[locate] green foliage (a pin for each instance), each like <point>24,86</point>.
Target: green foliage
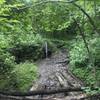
<point>24,26</point>
<point>7,78</point>
<point>85,74</point>
<point>30,39</point>
<point>6,60</point>
<point>6,63</point>
<point>91,90</point>
<point>95,49</point>
<point>23,52</point>
<point>4,41</point>
<point>25,74</point>
<point>79,60</point>
<point>8,82</point>
<point>78,54</point>
<point>51,16</point>
<point>6,67</point>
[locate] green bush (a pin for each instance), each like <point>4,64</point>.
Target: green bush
<point>23,52</point>
<point>31,52</point>
<point>7,78</point>
<point>95,50</point>
<point>78,54</point>
<point>8,82</point>
<point>85,74</point>
<point>6,62</point>
<point>25,74</point>
<point>79,60</point>
<point>30,39</point>
<point>6,59</point>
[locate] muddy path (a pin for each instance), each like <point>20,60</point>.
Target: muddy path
<point>54,73</point>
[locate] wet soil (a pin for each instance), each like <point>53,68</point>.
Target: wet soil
<point>54,73</point>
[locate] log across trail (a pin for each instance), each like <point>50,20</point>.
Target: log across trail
<point>55,82</point>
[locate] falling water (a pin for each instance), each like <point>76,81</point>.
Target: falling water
<point>46,49</point>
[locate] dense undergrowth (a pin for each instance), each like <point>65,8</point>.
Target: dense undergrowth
<point>15,76</point>
<point>80,62</point>
<point>17,61</point>
<point>25,73</point>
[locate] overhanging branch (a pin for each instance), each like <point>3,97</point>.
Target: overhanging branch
<point>83,36</point>
<point>46,1</point>
<point>87,15</point>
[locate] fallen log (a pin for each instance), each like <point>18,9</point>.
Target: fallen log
<point>41,92</point>
<point>3,97</point>
<point>92,97</point>
<point>62,80</point>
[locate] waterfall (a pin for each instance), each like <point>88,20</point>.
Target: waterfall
<point>46,49</point>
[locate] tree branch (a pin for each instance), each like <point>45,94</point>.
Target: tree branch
<point>83,36</point>
<point>90,19</point>
<point>6,16</point>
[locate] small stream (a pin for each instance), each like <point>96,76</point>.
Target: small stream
<point>54,73</point>
<point>46,49</point>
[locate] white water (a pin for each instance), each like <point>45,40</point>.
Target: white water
<point>46,49</point>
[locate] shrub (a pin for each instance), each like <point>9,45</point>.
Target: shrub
<point>79,60</point>
<point>7,79</point>
<point>24,52</point>
<point>6,62</point>
<point>25,74</point>
<point>35,51</point>
<point>8,82</point>
<point>78,54</point>
<point>95,50</point>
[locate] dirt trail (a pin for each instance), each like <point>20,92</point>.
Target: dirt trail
<point>54,73</point>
